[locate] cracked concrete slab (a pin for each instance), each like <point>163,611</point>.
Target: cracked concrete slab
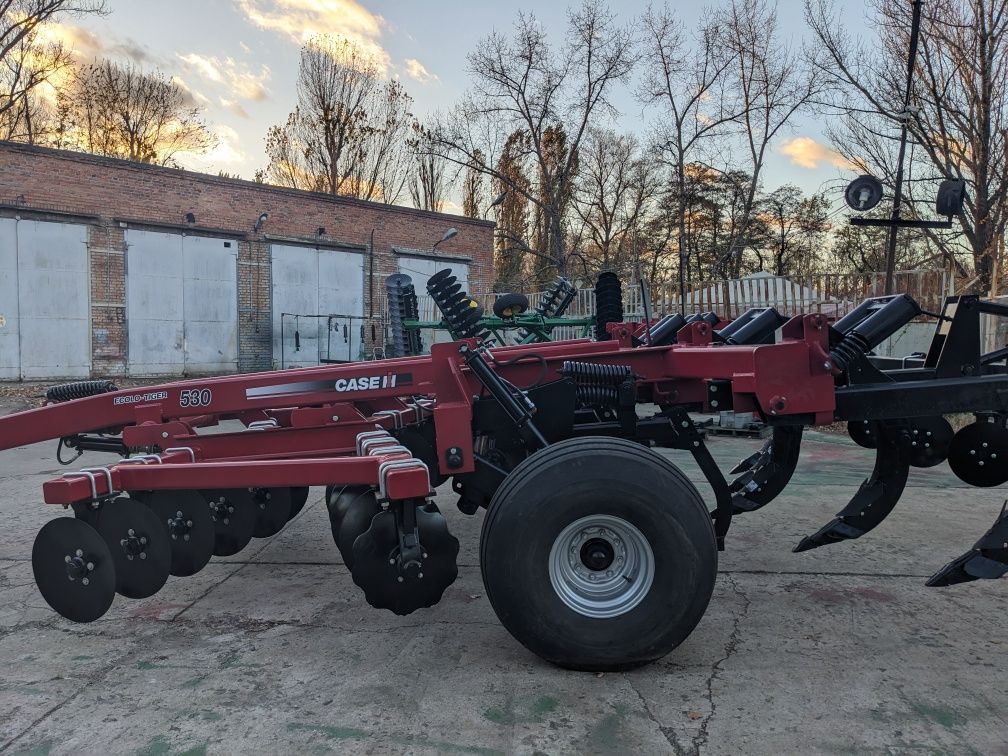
<point>275,649</point>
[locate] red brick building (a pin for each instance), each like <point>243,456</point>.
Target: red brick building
<point>110,267</point>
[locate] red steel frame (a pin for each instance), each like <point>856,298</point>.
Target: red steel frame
<point>303,425</point>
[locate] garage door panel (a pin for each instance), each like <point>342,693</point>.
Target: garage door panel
<point>10,344</point>
<point>310,281</point>
<point>183,304</point>
<point>53,301</point>
<point>154,303</point>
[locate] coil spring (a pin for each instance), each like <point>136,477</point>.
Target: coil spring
<point>82,389</point>
<point>595,374</point>
<point>598,395</point>
<point>851,348</point>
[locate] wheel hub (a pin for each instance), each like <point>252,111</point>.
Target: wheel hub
<point>179,526</point>
<point>597,554</point>
<point>601,566</point>
<point>133,545</point>
<point>77,568</point>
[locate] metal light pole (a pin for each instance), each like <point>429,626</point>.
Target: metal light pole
<point>905,118</point>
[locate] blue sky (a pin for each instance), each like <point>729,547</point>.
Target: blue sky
<point>239,58</point>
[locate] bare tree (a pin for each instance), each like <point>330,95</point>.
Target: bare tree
<point>27,63</point>
<point>472,189</point>
<point>428,184</point>
<point>121,111</point>
<point>958,120</point>
<point>686,82</point>
<point>552,93</point>
<point>614,190</point>
<point>771,84</point>
<point>349,133</point>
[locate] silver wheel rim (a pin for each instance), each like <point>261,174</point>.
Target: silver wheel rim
<point>613,590</point>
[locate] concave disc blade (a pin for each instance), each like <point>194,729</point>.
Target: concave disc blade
<point>978,454</point>
<point>234,516</point>
<point>864,433</point>
<point>186,519</point>
<point>930,439</point>
<point>299,497</point>
<point>139,546</point>
<point>90,560</point>
<point>273,508</point>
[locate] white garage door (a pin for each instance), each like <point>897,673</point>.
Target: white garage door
<point>44,281</point>
<point>318,294</point>
<point>181,304</point>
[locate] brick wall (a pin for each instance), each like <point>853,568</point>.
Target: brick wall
<point>112,195</point>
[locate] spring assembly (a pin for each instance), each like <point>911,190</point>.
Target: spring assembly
<point>875,324</point>
<point>608,304</point>
<point>80,390</point>
<point>461,314</point>
<point>606,396</point>
<point>595,374</point>
<point>597,384</point>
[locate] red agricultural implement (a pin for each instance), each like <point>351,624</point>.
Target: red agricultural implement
<point>596,551</point>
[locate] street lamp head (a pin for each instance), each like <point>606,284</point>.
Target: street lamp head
<point>500,198</point>
<point>450,233</point>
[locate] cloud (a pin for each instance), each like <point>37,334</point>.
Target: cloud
<point>192,97</point>
<point>235,107</point>
<point>227,154</point>
<point>237,78</point>
<point>87,45</point>
<point>806,152</point>
<point>299,20</point>
<point>415,70</point>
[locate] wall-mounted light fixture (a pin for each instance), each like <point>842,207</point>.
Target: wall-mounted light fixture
<point>449,234</point>
<point>190,218</point>
<point>259,223</point>
<point>321,231</point>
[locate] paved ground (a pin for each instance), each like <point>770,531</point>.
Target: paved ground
<point>837,650</point>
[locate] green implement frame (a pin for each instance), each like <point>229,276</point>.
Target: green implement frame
<point>536,328</point>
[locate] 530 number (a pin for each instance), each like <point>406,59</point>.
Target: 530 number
<point>195,397</point>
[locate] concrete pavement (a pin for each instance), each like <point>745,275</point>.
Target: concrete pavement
<point>274,650</point>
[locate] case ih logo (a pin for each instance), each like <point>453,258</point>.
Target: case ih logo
<point>341,385</point>
<point>364,383</point>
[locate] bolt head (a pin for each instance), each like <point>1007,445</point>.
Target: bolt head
<point>85,581</point>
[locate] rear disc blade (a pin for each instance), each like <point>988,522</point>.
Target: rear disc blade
<point>273,508</point>
<point>234,515</point>
<point>930,438</point>
<point>73,569</point>
<point>186,518</point>
<point>978,454</point>
<point>864,433</point>
<point>298,496</point>
<point>139,546</point>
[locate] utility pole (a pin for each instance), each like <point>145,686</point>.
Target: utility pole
<point>905,119</point>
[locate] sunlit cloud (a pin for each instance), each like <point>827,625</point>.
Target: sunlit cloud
<point>416,70</point>
<point>300,20</point>
<point>87,45</point>
<point>234,106</point>
<point>192,97</point>
<point>227,154</point>
<point>237,78</point>
<point>806,152</point>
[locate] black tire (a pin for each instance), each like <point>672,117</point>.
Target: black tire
<point>506,306</point>
<point>584,477</point>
